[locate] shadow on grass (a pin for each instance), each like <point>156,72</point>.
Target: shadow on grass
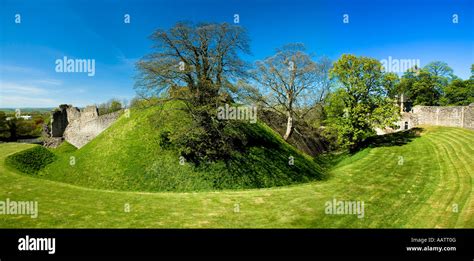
<point>328,160</point>
<point>388,140</point>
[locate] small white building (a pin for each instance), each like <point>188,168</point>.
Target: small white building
<point>25,117</point>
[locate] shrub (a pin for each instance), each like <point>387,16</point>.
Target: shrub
<point>216,141</point>
<point>31,161</point>
<point>112,105</point>
<point>165,141</point>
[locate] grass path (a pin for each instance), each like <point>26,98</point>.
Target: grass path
<point>411,186</point>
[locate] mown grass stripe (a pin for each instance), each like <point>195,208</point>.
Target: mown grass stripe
<point>463,187</point>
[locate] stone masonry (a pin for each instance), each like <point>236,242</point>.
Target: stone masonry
<point>80,127</point>
<point>450,116</point>
<point>59,121</point>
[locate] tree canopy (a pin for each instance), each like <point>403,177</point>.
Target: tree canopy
<point>291,82</point>
<point>203,59</point>
<point>361,104</point>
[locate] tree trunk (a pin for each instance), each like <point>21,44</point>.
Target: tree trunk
<point>289,126</point>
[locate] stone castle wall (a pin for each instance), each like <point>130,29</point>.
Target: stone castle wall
<point>79,127</point>
<point>59,121</point>
<point>451,116</point>
<point>85,125</point>
<point>469,117</point>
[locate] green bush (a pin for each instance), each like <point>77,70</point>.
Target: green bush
<point>165,141</point>
<point>31,161</point>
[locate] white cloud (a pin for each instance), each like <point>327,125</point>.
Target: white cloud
<point>7,88</point>
<point>24,101</point>
<point>48,82</point>
<point>18,95</point>
<point>18,69</point>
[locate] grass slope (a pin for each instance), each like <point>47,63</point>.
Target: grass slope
<point>437,172</point>
<point>127,157</point>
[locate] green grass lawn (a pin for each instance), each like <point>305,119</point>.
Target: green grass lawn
<point>437,172</point>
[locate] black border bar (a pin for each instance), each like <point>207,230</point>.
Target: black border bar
<point>239,242</point>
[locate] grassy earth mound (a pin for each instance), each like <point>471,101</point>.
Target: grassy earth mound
<point>32,160</point>
<point>128,157</point>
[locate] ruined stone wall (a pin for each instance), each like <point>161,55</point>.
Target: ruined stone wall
<point>451,116</point>
<point>85,125</point>
<point>468,115</point>
<point>59,121</point>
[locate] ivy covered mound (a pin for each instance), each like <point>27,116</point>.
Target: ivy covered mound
<point>134,155</point>
<point>32,160</point>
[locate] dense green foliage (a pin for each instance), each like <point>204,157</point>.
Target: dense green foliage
<point>458,92</point>
<point>361,104</point>
<point>367,97</point>
<point>31,161</point>
<point>421,88</point>
<point>4,130</point>
<point>110,106</point>
<point>435,85</point>
<point>13,127</point>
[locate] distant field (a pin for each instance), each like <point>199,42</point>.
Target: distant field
<point>26,110</point>
<point>415,185</point>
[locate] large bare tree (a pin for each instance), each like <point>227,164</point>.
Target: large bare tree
<point>198,64</point>
<point>201,60</point>
<point>291,83</point>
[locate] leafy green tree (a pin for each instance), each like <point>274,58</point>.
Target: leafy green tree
<point>4,133</point>
<point>115,105</point>
<point>110,106</point>
<point>13,126</point>
<point>459,92</point>
<point>199,64</point>
<point>361,104</point>
<point>442,73</point>
<point>203,59</point>
<point>421,88</point>
<point>439,69</point>
<point>391,83</point>
<point>424,90</point>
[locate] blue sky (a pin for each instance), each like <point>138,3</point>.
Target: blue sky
<point>50,30</point>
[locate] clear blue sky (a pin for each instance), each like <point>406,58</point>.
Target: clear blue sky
<point>50,30</point>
